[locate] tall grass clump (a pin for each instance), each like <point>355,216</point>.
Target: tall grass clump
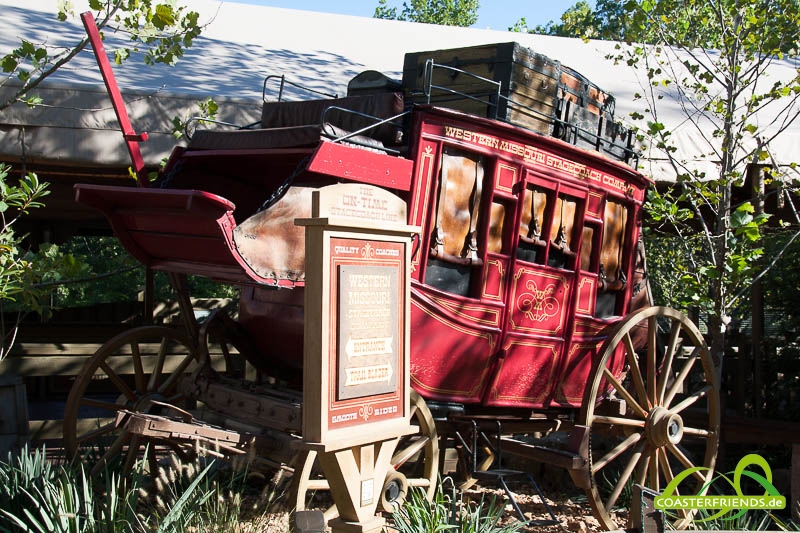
<point>40,494</point>
<point>447,513</point>
<point>752,520</point>
<point>43,495</point>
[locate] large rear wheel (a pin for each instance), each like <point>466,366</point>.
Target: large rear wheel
<point>136,371</point>
<point>653,410</point>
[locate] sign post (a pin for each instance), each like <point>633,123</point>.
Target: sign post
<point>356,371</point>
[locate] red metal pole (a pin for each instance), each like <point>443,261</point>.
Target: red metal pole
<point>132,139</point>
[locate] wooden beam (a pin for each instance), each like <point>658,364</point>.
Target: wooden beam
<point>70,362</point>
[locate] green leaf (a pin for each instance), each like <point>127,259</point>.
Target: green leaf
<point>163,17</point>
<point>26,50</point>
<point>121,55</point>
<point>33,100</point>
<point>9,63</point>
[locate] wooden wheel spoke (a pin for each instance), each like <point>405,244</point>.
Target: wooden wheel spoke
<point>636,373</point>
<point>118,382</point>
<point>653,461</point>
<point>158,369</point>
<point>105,429</point>
<point>421,482</point>
<point>641,475</point>
<point>698,432</point>
<point>619,421</point>
<point>615,452</point>
<point>400,457</point>
<point>112,451</point>
<point>133,453</point>
<point>652,348</point>
<point>665,370</point>
<point>677,385</point>
<point>176,374</point>
<point>100,404</point>
<point>686,461</point>
<point>689,400</point>
<point>666,469</point>
<point>623,479</point>
<point>622,391</point>
<point>138,367</point>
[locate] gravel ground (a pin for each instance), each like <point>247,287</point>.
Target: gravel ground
<point>571,510</point>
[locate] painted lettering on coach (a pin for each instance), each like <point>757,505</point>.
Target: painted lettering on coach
<point>535,155</point>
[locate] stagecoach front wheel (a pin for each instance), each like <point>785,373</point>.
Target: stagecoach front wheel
<point>653,409</point>
<point>414,464</point>
<point>137,371</point>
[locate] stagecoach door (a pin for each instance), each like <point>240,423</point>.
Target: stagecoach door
<point>567,284</point>
<point>542,281</point>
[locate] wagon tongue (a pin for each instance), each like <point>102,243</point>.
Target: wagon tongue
<point>169,429</point>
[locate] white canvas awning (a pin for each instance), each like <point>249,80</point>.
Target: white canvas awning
<point>244,43</point>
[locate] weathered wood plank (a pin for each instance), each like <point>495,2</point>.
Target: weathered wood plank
<point>71,363</point>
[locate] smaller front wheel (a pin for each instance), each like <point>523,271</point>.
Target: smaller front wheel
<point>414,464</point>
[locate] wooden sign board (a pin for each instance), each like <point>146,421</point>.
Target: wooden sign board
<point>356,370</point>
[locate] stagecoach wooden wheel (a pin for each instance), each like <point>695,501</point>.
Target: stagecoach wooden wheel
<point>653,410</point>
<point>136,371</point>
<point>415,463</point>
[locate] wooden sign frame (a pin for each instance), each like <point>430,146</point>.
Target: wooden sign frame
<point>357,311</point>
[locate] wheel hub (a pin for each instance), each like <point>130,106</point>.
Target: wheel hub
<point>663,427</point>
<point>145,404</point>
<point>395,489</point>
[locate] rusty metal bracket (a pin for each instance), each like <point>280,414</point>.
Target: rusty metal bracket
<point>160,427</point>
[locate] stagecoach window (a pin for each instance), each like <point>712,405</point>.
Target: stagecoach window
<point>496,228</point>
<point>455,249</point>
<point>562,246</point>
<point>587,247</point>
<point>531,246</point>
<point>615,219</point>
<point>611,275</point>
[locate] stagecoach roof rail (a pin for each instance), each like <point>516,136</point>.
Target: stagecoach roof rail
<point>284,82</point>
<point>189,133</point>
<point>350,136</point>
<point>427,84</point>
<point>631,156</point>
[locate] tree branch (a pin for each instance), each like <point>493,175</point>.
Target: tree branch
<point>32,84</point>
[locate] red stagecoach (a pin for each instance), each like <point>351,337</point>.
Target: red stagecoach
<point>530,309</point>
